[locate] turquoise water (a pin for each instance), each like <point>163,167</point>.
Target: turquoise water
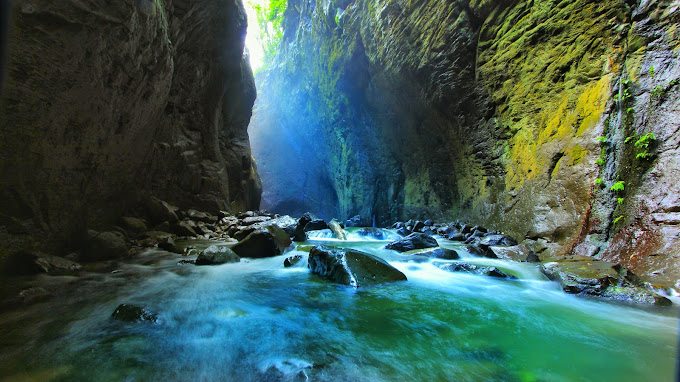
<point>258,321</point>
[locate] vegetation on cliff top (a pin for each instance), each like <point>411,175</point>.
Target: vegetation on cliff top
<point>270,21</point>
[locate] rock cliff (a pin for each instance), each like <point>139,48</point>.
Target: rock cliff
<point>551,120</point>
<point>107,103</point>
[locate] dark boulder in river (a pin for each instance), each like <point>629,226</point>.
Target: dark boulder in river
<point>292,260</point>
<point>413,241</point>
<point>217,254</point>
<point>267,241</point>
<point>351,267</point>
<point>134,313</point>
<point>476,269</point>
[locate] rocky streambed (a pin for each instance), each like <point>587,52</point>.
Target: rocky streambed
<point>266,297</point>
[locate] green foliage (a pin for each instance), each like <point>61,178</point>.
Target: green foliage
<point>624,92</point>
<point>270,20</point>
<point>601,139</point>
<point>642,144</point>
<point>651,71</point>
<point>619,201</point>
<point>618,186</point>
<point>618,219</point>
<point>657,92</point>
<point>599,181</point>
<point>599,161</point>
<point>630,110</point>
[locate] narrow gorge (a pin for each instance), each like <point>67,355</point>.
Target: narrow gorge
<point>331,190</point>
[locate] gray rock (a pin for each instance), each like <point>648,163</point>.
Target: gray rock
<point>437,253</point>
<point>475,269</point>
<point>183,228</point>
<point>104,246</point>
<point>160,211</point>
<point>263,242</point>
<point>217,254</point>
<point>351,267</point>
<point>133,226</point>
<point>254,220</point>
<point>413,241</point>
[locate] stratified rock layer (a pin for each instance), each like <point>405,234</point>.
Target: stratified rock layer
<point>107,102</point>
<point>487,111</point>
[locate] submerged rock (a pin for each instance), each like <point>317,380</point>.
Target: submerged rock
<point>351,267</point>
<point>292,260</point>
<point>217,254</point>
<point>134,313</point>
<point>476,269</point>
<point>586,276</point>
<point>413,241</point>
<point>267,241</point>
<point>375,233</point>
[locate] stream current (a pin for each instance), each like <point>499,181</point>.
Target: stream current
<point>258,321</point>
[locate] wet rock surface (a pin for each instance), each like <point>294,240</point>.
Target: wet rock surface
<point>412,242</point>
<point>158,119</point>
<point>133,313</point>
<point>264,242</point>
<point>217,254</point>
<point>351,267</point>
<point>291,261</point>
<point>476,269</point>
<point>586,276</point>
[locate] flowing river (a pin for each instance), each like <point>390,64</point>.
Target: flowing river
<point>258,321</point>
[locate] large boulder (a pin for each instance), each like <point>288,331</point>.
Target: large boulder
<point>104,246</point>
<point>133,226</point>
<point>30,262</point>
<point>267,241</point>
<point>586,276</point>
<point>160,211</point>
<point>413,241</point>
<point>351,267</point>
<point>299,233</point>
<point>217,254</point>
<point>285,222</point>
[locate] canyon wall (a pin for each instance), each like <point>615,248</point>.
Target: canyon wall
<point>532,117</point>
<point>108,103</point>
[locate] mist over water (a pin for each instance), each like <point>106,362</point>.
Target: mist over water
<point>259,321</point>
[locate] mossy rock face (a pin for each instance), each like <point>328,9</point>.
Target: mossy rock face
<point>351,267</point>
<point>505,102</point>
